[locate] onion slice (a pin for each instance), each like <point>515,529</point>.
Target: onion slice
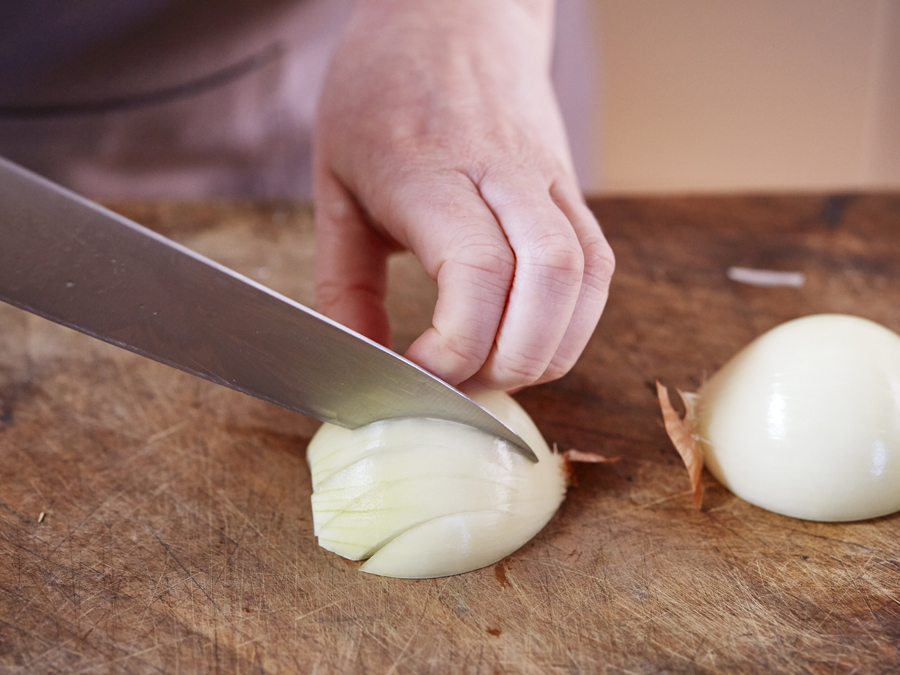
<point>421,498</point>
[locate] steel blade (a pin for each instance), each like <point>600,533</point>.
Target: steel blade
<point>78,264</point>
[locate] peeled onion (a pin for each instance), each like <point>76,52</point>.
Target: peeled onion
<point>425,498</point>
<point>804,421</point>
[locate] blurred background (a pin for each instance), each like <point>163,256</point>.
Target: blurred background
<point>706,95</point>
<point>660,96</point>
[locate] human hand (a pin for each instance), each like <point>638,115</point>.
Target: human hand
<point>438,131</point>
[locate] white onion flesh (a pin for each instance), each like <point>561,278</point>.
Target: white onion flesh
<point>421,498</point>
<point>805,420</point>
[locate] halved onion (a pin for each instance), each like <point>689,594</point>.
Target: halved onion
<point>427,498</point>
<point>804,421</point>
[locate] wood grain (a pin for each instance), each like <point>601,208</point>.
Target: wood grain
<point>177,534</point>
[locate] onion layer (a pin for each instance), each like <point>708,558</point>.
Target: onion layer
<point>424,498</point>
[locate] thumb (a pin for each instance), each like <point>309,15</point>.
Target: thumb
<point>351,262</point>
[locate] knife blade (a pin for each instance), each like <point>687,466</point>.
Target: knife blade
<point>74,262</point>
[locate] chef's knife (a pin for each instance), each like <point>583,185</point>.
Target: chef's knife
<point>74,262</point>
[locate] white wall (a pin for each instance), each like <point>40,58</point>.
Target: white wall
<point>725,95</point>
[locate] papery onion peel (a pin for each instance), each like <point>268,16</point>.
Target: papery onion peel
<point>683,436</point>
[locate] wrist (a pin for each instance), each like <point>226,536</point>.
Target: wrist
<point>529,19</point>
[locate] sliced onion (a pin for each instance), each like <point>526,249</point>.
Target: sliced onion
<point>424,498</point>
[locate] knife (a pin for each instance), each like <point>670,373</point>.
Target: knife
<point>74,262</point>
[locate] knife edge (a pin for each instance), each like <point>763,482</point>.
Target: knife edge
<point>66,256</point>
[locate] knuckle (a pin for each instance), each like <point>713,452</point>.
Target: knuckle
<point>328,294</point>
<point>517,370</point>
<point>557,368</point>
<point>487,255</point>
<point>558,257</point>
<point>557,250</point>
<point>597,249</point>
<point>600,263</point>
<point>469,353</point>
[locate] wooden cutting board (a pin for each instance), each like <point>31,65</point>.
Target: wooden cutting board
<point>153,522</point>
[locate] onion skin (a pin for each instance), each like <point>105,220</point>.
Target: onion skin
<point>423,498</point>
<point>805,420</point>
<point>684,437</point>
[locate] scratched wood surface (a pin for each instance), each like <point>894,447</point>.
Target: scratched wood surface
<point>176,533</point>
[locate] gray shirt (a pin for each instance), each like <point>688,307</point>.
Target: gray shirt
<point>187,98</point>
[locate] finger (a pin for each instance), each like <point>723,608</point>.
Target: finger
<point>546,286</point>
<point>351,261</point>
<point>599,264</point>
<point>460,243</point>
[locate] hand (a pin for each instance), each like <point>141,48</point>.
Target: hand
<point>438,131</point>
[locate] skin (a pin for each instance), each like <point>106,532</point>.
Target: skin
<point>438,131</point>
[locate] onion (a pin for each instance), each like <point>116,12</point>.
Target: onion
<point>804,421</point>
<point>426,498</point>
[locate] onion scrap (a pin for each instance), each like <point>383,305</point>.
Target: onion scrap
<point>683,436</point>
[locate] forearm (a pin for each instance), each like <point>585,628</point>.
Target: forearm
<point>478,23</point>
<point>446,67</point>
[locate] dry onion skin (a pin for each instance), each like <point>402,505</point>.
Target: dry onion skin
<point>422,498</point>
<point>804,421</point>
